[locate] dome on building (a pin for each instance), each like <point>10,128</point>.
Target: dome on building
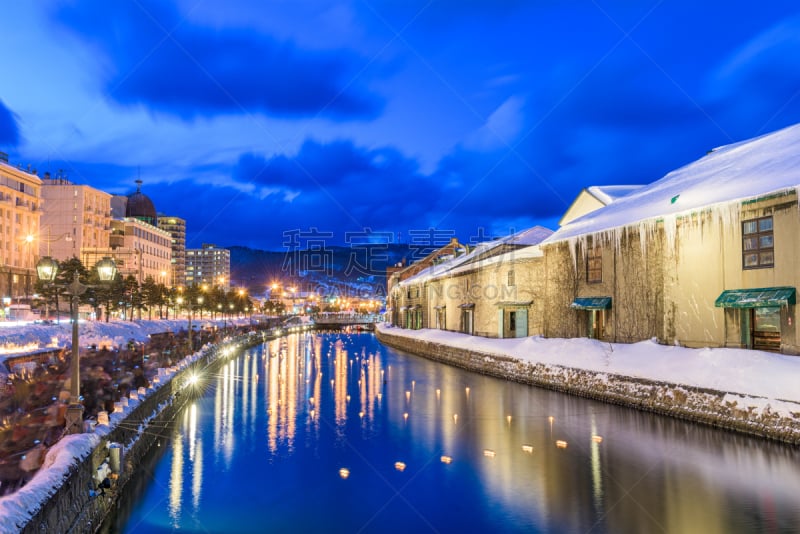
<point>140,206</point>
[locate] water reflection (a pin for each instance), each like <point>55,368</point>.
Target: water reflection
<point>176,480</point>
<point>378,441</point>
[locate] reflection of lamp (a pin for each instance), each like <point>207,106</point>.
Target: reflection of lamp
<point>46,269</point>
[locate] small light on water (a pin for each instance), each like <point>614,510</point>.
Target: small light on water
<point>455,418</point>
<point>413,383</point>
<point>508,418</point>
<point>446,459</point>
<point>344,472</point>
<point>561,444</point>
<point>405,416</point>
<point>400,466</point>
<point>467,390</point>
<point>348,398</point>
<point>527,448</point>
<point>408,396</point>
<point>361,414</point>
<point>489,453</point>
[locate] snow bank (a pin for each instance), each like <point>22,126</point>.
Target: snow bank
<point>99,333</point>
<point>744,373</point>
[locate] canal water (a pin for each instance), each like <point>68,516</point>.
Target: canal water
<point>337,433</point>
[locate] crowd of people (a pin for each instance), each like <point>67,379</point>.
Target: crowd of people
<point>34,397</point>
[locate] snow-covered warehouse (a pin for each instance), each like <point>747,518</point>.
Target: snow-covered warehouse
<point>709,255</point>
<point>494,290</point>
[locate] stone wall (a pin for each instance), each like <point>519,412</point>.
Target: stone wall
<point>631,275</point>
<point>73,507</point>
<point>699,405</point>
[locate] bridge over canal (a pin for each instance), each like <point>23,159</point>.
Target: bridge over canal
<point>347,319</point>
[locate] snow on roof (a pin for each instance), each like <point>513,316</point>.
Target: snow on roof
<point>610,193</point>
<point>525,239</point>
<point>532,251</point>
<point>732,173</point>
<point>531,236</point>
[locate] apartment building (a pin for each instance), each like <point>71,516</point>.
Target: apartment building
<point>20,214</point>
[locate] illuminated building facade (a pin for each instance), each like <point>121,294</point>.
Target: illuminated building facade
<point>74,217</point>
<point>177,229</point>
<point>138,248</point>
<point>20,213</point>
<point>208,265</point>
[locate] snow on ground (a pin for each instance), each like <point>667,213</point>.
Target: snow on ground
<point>17,508</point>
<point>19,338</point>
<point>745,372</point>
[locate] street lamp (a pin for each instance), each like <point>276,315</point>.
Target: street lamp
<point>46,269</point>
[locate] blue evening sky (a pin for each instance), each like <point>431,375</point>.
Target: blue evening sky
<point>256,119</point>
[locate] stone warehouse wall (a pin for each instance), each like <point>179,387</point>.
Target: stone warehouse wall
<point>73,507</point>
<point>699,405</point>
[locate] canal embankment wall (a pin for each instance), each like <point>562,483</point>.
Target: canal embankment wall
<point>78,503</point>
<point>699,405</point>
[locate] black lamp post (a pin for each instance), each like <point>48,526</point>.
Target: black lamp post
<point>46,269</point>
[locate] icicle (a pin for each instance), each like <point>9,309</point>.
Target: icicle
<point>670,229</point>
<point>572,242</point>
<point>644,235</point>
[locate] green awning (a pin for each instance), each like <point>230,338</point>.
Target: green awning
<point>762,297</point>
<point>591,303</point>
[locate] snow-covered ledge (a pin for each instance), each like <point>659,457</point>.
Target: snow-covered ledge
<point>71,452</point>
<point>749,391</point>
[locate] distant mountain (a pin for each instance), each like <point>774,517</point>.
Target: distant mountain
<point>328,270</point>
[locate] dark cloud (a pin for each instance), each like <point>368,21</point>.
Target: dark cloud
<point>161,60</point>
<point>764,74</point>
<point>9,132</point>
<point>335,187</point>
<point>366,187</point>
<point>611,94</point>
<point>316,165</point>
